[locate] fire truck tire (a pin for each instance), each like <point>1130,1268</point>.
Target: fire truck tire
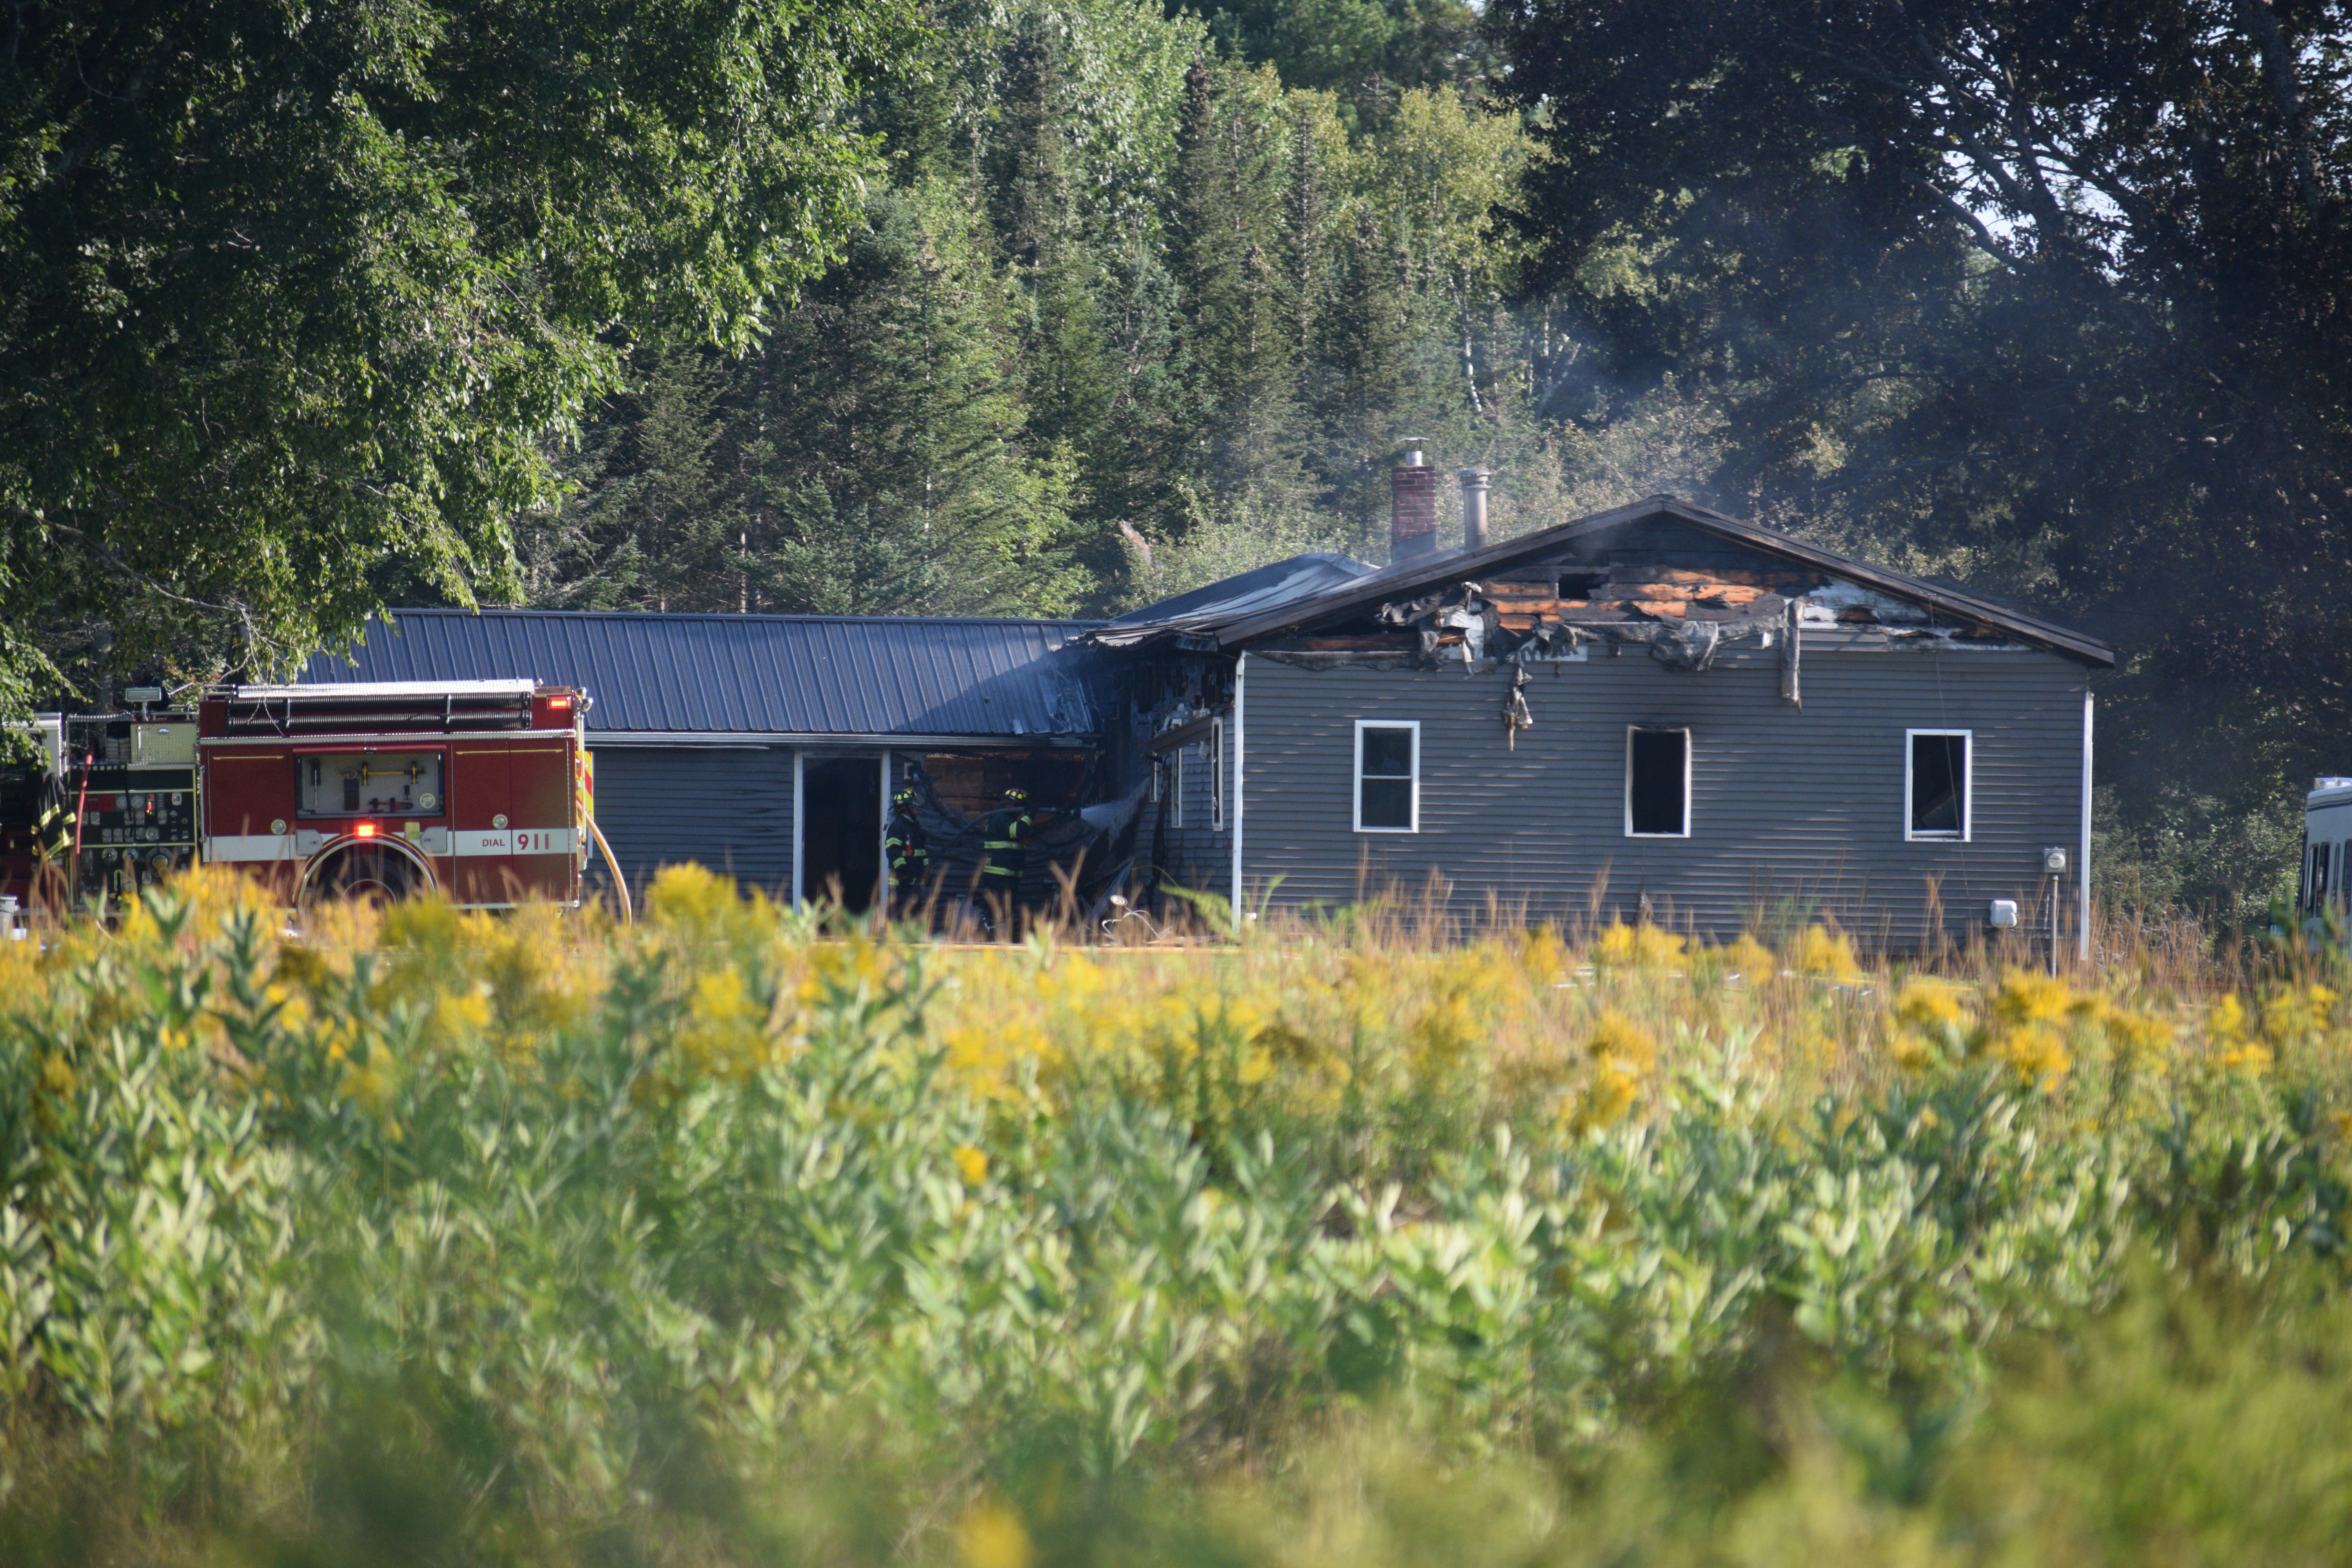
<point>379,872</point>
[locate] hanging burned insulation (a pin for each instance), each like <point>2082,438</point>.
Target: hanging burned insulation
<point>1516,716</point>
<point>1468,610</point>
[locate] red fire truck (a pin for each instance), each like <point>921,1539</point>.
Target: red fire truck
<point>480,790</point>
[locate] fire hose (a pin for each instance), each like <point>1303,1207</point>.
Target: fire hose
<point>620,883</point>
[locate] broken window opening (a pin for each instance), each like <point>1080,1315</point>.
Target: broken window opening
<point>1388,777</point>
<point>1657,782</point>
<point>1217,779</point>
<point>1582,585</point>
<point>2319,858</point>
<point>1937,783</point>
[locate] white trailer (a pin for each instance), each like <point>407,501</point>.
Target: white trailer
<point>2327,845</point>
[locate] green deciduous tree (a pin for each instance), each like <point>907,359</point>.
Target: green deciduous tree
<point>288,293</point>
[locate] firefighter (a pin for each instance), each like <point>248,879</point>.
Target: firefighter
<point>909,848</point>
<point>1004,854</point>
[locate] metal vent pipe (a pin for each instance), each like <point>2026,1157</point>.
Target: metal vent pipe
<point>1473,506</point>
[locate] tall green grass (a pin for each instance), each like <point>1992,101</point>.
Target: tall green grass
<point>727,1238</point>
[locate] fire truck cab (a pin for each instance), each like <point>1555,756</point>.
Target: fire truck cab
<point>479,790</point>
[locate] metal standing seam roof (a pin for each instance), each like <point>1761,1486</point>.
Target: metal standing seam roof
<point>717,675</point>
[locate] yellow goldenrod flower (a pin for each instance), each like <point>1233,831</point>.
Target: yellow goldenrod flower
<point>1816,952</point>
<point>1641,946</point>
<point>1928,1004</point>
<point>1620,1042</point>
<point>990,1536</point>
<point>1751,960</point>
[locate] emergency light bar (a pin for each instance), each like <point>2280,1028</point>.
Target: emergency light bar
<point>395,707</point>
<point>331,689</point>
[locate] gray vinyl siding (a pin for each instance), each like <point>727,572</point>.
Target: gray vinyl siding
<point>1793,812</point>
<point>727,807</point>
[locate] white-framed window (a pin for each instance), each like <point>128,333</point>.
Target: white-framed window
<point>1939,771</point>
<point>1216,758</point>
<point>1388,776</point>
<point>1657,780</point>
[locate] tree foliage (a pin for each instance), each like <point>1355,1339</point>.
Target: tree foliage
<point>1088,301</point>
<point>2050,295</point>
<point>1187,308</point>
<point>288,294</point>
<point>1364,52</point>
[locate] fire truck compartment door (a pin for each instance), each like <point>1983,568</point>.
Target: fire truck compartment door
<point>480,812</point>
<point>540,782</point>
<point>541,785</point>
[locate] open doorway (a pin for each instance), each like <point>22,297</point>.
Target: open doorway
<point>841,828</point>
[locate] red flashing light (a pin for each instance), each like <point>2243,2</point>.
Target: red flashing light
<point>558,703</point>
<point>364,830</point>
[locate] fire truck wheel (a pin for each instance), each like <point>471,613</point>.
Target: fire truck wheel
<point>374,872</point>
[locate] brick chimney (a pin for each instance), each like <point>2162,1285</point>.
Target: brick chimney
<point>1412,498</point>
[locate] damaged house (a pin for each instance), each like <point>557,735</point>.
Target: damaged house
<point>1657,711</point>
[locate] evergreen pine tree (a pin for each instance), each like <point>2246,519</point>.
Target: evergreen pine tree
<point>1239,301</point>
<point>892,392</point>
<point>650,524</point>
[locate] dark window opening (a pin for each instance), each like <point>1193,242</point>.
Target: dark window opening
<point>1582,585</point>
<point>1939,786</point>
<point>841,829</point>
<point>1657,780</point>
<point>1384,763</point>
<point>2319,858</point>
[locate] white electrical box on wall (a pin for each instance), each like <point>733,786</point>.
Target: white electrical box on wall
<point>2002,915</point>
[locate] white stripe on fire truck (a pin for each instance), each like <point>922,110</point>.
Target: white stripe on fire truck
<point>516,841</point>
<point>232,847</point>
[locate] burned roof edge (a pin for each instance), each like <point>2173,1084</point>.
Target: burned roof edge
<point>1369,593</point>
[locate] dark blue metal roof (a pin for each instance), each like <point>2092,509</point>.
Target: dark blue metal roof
<point>1252,593</point>
<point>768,675</point>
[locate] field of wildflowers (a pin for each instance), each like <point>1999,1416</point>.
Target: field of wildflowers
<point>738,1237</point>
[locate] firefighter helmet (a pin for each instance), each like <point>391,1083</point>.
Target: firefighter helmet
<point>905,797</point>
<point>1016,795</point>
